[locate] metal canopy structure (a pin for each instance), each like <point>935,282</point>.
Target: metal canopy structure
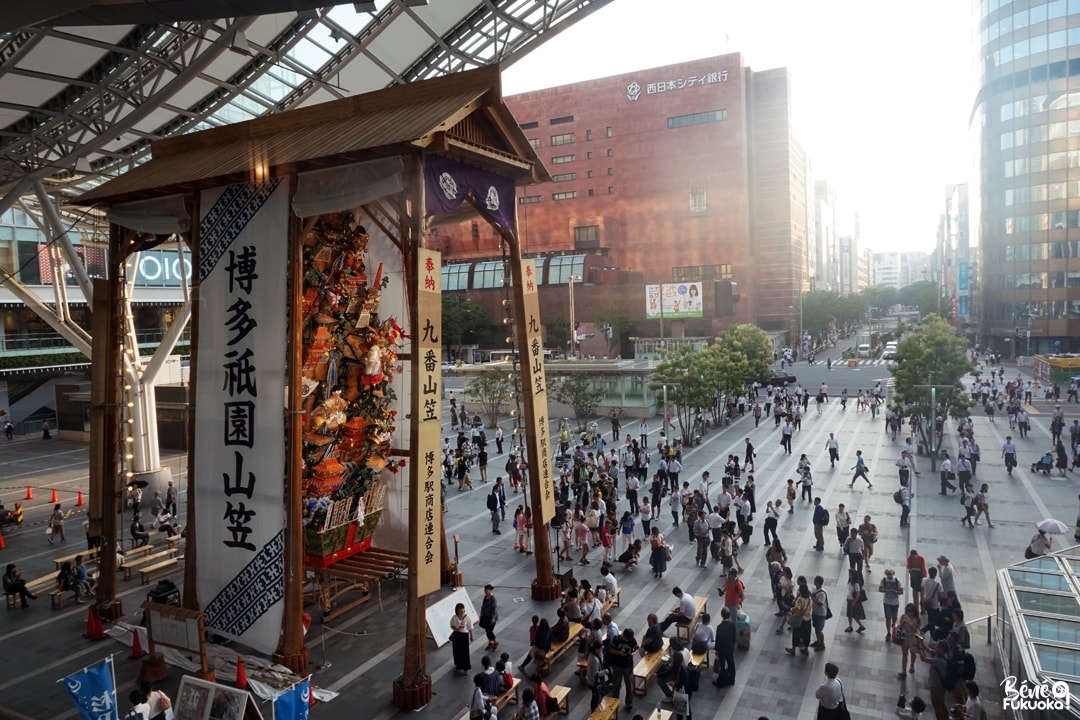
<point>82,96</point>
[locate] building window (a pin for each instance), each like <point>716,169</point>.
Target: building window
<point>528,199</point>
<point>588,135</point>
<point>564,195</point>
<point>699,273</point>
<point>591,192</point>
<point>712,116</point>
<point>698,202</point>
<point>610,152</point>
<point>562,139</point>
<point>529,125</point>
<point>609,132</point>
<point>563,177</point>
<point>562,159</point>
<point>561,120</point>
<point>611,172</point>
<point>587,237</point>
<point>588,155</point>
<point>590,173</point>
<point>488,274</point>
<point>535,142</point>
<point>475,229</point>
<point>560,268</point>
<point>610,190</point>
<point>455,277</point>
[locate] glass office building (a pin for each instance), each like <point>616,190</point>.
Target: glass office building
<point>1026,119</point>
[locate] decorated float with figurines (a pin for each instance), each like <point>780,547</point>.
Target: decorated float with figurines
<point>350,358</point>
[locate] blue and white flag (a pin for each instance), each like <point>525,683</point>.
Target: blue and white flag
<point>94,691</point>
<point>293,703</point>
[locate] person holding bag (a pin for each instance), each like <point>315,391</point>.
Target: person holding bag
<point>481,706</point>
<point>832,705</point>
<point>799,621</point>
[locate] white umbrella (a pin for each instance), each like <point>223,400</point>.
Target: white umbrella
<point>1050,525</point>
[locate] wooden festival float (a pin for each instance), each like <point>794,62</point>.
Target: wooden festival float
<point>316,349</point>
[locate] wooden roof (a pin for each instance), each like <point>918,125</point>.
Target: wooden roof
<point>461,115</point>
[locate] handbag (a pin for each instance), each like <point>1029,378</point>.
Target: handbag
<point>898,635</point>
<point>680,702</point>
<point>862,594</point>
<point>842,711</point>
<point>795,622</point>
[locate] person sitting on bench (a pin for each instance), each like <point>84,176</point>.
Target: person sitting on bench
<point>138,532</point>
<point>165,522</point>
<point>683,613</point>
<point>15,585</point>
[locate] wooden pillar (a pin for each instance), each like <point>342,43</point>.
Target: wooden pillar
<point>545,586</point>
<point>412,690</point>
<point>291,650</point>
<point>105,421</point>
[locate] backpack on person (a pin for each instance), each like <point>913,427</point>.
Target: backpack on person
<point>898,497</point>
<point>824,516</point>
<point>965,665</point>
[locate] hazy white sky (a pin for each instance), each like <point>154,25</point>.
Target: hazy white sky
<point>882,91</point>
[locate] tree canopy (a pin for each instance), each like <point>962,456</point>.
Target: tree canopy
<point>620,325</point>
<point>557,332</point>
<point>925,296</point>
<point>580,392</point>
<point>690,378</point>
<point>491,390</point>
<point>932,354</point>
<point>461,320</point>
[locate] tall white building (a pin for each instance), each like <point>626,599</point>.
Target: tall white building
<point>888,270</point>
<point>827,247</point>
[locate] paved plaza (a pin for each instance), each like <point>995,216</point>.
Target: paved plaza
<point>38,646</point>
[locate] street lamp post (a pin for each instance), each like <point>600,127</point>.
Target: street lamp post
<point>573,322</point>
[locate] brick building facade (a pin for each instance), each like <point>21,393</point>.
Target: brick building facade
<point>682,173</point>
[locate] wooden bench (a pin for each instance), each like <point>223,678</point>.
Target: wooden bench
<point>89,556</point>
<point>56,598</point>
<point>159,533</point>
<point>558,649</point>
<point>135,553</point>
<point>510,695</point>
<point>583,669</point>
<point>34,587</point>
<point>700,660</point>
<point>611,601</point>
<point>148,558</point>
<point>146,574</point>
<point>608,709</point>
<point>646,667</point>
<point>682,632</point>
<point>561,695</point>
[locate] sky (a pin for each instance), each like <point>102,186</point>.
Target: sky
<point>881,92</point>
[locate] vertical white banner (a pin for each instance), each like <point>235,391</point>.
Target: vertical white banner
<point>239,421</point>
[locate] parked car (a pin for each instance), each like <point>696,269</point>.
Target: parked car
<point>890,351</point>
<point>863,350</point>
<point>779,378</point>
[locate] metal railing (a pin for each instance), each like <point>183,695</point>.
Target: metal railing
<point>56,341</point>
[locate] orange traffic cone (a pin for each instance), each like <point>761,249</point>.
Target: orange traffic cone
<point>136,645</point>
<point>54,499</point>
<point>29,493</point>
<point>79,502</point>
<point>311,701</point>
<point>2,543</point>
<point>241,674</point>
<point>94,631</point>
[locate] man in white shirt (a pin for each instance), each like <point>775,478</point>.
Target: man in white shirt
<point>1008,453</point>
<point>903,465</point>
<point>843,524</point>
<point>945,575</point>
<point>833,446</point>
<point>723,500</point>
<point>910,450</point>
<point>703,487</point>
<point>830,693</point>
<point>683,613</point>
<point>946,474</point>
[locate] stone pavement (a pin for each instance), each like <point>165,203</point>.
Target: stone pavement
<point>364,649</point>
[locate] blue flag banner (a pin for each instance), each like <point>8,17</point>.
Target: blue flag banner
<point>94,691</point>
<point>293,703</point>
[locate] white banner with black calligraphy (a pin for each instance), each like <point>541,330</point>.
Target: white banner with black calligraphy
<point>239,423</point>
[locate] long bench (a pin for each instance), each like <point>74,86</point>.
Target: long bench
<point>558,649</point>
<point>154,572</point>
<point>646,667</point>
<point>511,694</point>
<point>158,532</point>
<point>561,695</point>
<point>608,709</point>
<point>89,556</point>
<point>682,632</point>
<point>147,559</point>
<point>611,601</point>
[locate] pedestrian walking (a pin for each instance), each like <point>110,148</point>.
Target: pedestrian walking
<point>869,533</point>
<point>855,598</point>
<point>891,590</point>
<point>833,446</point>
<point>489,615</point>
<point>905,504</point>
<point>982,507</point>
<point>56,524</point>
<point>860,469</point>
<point>772,519</point>
<point>461,634</point>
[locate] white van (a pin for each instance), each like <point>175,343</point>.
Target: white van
<point>890,351</point>
<point>863,351</point>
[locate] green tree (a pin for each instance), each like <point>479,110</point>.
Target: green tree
<point>924,295</point>
<point>820,309</point>
<point>691,380</point>
<point>461,320</point>
<point>877,296</point>
<point>932,354</point>
<point>620,325</point>
<point>558,332</point>
<point>580,392</point>
<point>742,354</point>
<point>491,389</point>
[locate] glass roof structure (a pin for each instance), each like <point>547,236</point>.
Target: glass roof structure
<point>83,95</point>
<point>1037,627</point>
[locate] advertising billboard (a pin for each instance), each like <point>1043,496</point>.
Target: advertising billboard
<point>673,300</point>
